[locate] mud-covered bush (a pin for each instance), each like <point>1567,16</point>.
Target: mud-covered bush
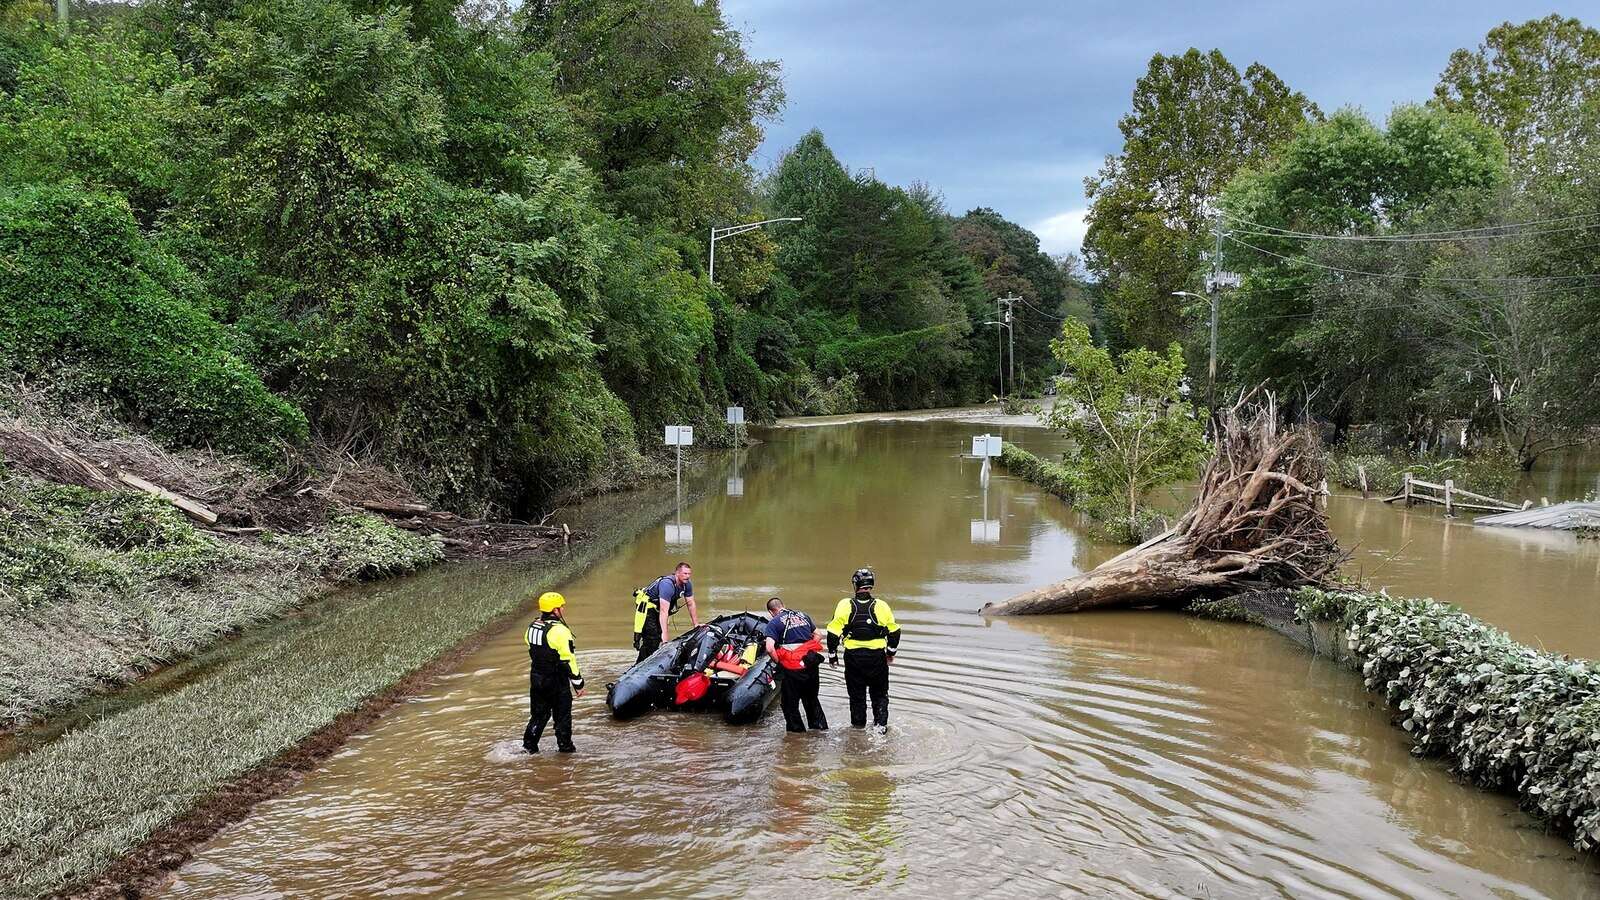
<point>99,587</point>
<point>360,547</point>
<point>1507,716</point>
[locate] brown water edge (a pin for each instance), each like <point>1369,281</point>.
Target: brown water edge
<point>1121,753</point>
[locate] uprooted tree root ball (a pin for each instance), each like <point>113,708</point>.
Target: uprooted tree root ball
<point>1257,522</point>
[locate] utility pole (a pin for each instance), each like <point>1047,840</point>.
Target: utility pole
<point>61,16</point>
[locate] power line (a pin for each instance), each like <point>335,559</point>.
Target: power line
<point>1487,232</point>
<point>1408,275</point>
<point>1042,312</point>
<point>1411,305</point>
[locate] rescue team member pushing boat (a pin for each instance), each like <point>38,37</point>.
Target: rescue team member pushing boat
<point>553,675</point>
<point>794,640</point>
<point>654,605</point>
<point>871,637</point>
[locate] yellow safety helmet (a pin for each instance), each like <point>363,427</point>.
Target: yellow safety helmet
<point>550,601</point>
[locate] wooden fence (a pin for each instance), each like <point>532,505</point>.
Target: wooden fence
<point>1452,498</point>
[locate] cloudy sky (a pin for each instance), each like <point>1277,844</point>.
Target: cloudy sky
<point>1009,104</point>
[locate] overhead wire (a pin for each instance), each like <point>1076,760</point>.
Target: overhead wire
<point>1486,232</point>
<point>1407,275</point>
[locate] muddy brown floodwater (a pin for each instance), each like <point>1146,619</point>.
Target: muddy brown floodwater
<point>1124,754</point>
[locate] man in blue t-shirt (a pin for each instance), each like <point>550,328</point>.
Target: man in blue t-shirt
<point>654,606</point>
<point>794,640</point>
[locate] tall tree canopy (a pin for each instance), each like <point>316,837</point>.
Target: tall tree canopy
<point>1537,83</point>
<point>1012,265</point>
<point>669,99</point>
<point>1195,122</point>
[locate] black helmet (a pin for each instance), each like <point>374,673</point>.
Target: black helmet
<point>863,578</point>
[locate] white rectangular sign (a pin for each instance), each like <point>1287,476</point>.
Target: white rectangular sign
<point>986,445</point>
<point>735,487</point>
<point>985,531</point>
<point>680,435</point>
<point>735,415</point>
<point>679,534</point>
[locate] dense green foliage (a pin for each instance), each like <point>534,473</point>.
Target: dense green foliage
<point>1507,716</point>
<point>1537,83</point>
<point>86,298</point>
<point>1130,425</point>
<point>468,243</point>
<point>1485,326</point>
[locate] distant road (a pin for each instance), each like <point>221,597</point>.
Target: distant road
<point>986,414</point>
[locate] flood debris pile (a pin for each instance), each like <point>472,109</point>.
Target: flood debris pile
<point>1506,716</point>
<point>1257,522</point>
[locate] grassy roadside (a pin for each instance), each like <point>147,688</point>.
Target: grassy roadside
<point>73,807</point>
<point>98,588</point>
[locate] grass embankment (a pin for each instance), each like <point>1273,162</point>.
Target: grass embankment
<point>98,588</point>
<point>1110,516</point>
<point>1504,715</point>
<point>72,808</point>
<point>1493,473</point>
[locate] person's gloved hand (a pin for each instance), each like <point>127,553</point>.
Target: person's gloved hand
<point>834,660</point>
<point>638,641</point>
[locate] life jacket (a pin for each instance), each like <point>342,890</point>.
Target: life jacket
<point>795,659</point>
<point>644,604</point>
<point>863,623</point>
<point>544,659</point>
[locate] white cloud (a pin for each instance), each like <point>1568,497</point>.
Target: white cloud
<point>1063,232</point>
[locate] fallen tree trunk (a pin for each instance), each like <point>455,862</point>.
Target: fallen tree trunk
<point>1256,523</point>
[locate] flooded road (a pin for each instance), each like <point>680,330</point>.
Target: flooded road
<point>1125,754</point>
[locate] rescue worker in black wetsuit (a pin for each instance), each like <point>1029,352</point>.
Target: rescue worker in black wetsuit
<point>794,640</point>
<point>871,637</point>
<point>654,606</point>
<point>553,675</point>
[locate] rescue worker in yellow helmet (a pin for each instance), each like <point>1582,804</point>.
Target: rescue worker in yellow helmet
<point>553,675</point>
<point>871,637</point>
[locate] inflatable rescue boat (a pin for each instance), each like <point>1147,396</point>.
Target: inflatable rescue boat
<point>722,664</point>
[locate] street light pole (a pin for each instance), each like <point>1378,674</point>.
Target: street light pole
<point>999,344</point>
<point>729,231</point>
<point>1211,385</point>
<point>1011,333</point>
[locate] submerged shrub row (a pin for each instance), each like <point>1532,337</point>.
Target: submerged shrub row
<point>1056,479</point>
<point>1507,716</point>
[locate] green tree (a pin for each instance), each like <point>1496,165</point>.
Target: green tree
<point>1310,317</point>
<point>669,99</point>
<point>1537,83</point>
<point>873,281</point>
<point>1011,263</point>
<point>1195,122</point>
<point>1130,426</point>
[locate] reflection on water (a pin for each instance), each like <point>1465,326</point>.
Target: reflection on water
<point>1129,754</point>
